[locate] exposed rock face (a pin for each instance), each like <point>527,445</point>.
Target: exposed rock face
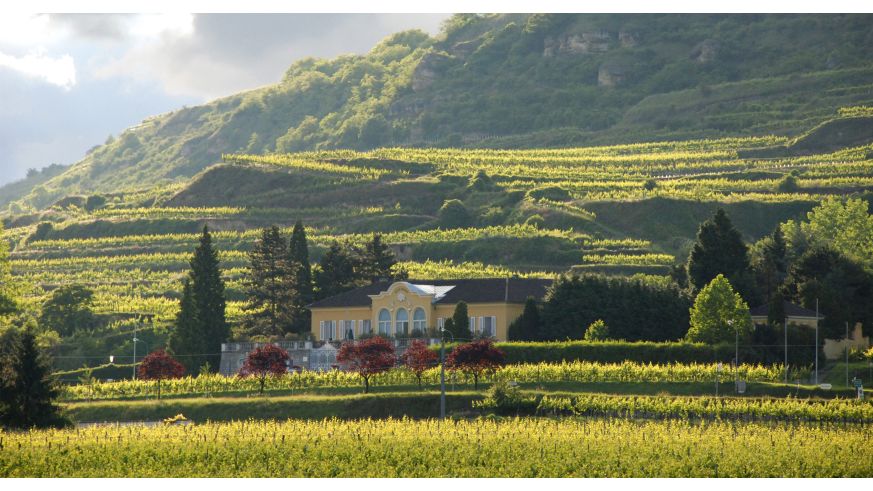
<point>628,39</point>
<point>613,74</point>
<point>705,52</point>
<point>427,70</point>
<point>578,44</point>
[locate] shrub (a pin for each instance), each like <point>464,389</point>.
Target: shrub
<point>597,331</point>
<point>788,184</point>
<point>553,193</point>
<point>454,214</point>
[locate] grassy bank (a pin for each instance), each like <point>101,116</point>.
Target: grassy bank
<point>379,406</point>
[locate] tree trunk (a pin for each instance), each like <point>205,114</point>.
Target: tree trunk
<point>366,385</point>
<point>475,381</point>
<point>261,388</point>
<point>159,389</point>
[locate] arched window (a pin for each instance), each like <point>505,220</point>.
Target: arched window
<point>419,320</point>
<point>384,322</point>
<point>401,324</point>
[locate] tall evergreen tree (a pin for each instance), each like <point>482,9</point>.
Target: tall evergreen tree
<point>270,287</point>
<point>336,273</point>
<point>27,390</point>
<point>769,260</point>
<point>188,337</point>
<point>719,249</point>
<point>527,326</point>
<point>460,325</point>
<point>298,251</point>
<point>208,289</point>
<point>201,324</point>
<point>377,260</point>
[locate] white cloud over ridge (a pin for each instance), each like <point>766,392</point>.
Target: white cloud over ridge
<point>59,71</point>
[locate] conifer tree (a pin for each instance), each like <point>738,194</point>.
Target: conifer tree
<point>208,289</point>
<point>377,261</point>
<point>188,337</point>
<point>719,249</point>
<point>201,324</point>
<point>336,273</point>
<point>460,324</point>
<point>298,251</point>
<point>527,326</point>
<point>27,390</point>
<point>270,287</point>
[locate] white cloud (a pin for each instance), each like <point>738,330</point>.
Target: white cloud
<point>60,71</point>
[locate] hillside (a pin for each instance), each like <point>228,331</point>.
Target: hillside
<point>513,81</point>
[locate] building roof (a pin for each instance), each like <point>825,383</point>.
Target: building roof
<point>488,290</point>
<point>791,310</point>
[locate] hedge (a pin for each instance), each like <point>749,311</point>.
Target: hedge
<point>613,351</point>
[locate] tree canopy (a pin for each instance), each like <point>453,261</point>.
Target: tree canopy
<point>27,389</point>
<point>367,357</point>
<point>718,314</point>
<point>719,249</point>
<point>68,309</point>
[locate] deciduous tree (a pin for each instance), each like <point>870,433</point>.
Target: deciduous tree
<point>418,358</point>
<point>367,357</point>
<point>68,310</point>
<point>158,365</point>
<point>475,358</point>
<point>718,313</point>
<point>269,360</point>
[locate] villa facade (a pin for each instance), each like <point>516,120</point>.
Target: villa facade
<point>403,309</point>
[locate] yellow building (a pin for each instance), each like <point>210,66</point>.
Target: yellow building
<point>794,314</point>
<point>407,308</point>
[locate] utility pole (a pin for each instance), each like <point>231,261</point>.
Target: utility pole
<point>816,341</point>
<point>134,350</point>
<point>442,376</point>
<point>786,350</point>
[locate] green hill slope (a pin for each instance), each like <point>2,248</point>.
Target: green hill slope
<point>519,81</point>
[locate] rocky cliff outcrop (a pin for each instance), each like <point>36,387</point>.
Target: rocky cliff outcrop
<point>578,44</point>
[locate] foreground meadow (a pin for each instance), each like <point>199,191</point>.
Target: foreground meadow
<point>430,448</point>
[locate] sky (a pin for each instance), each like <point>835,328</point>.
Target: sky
<point>69,81</point>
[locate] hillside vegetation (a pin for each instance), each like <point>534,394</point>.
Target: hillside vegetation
<point>512,81</point>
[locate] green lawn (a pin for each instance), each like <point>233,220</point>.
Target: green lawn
<point>384,402</point>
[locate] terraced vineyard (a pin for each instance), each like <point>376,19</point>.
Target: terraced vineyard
<point>531,212</point>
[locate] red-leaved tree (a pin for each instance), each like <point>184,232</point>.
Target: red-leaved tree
<point>264,361</point>
<point>367,357</point>
<point>475,358</point>
<point>418,358</point>
<point>158,365</point>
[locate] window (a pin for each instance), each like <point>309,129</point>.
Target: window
<point>348,329</point>
<point>384,322</point>
<point>489,326</point>
<point>419,320</point>
<point>401,324</point>
<point>472,325</point>
<point>328,330</point>
<point>441,323</point>
<point>364,327</point>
